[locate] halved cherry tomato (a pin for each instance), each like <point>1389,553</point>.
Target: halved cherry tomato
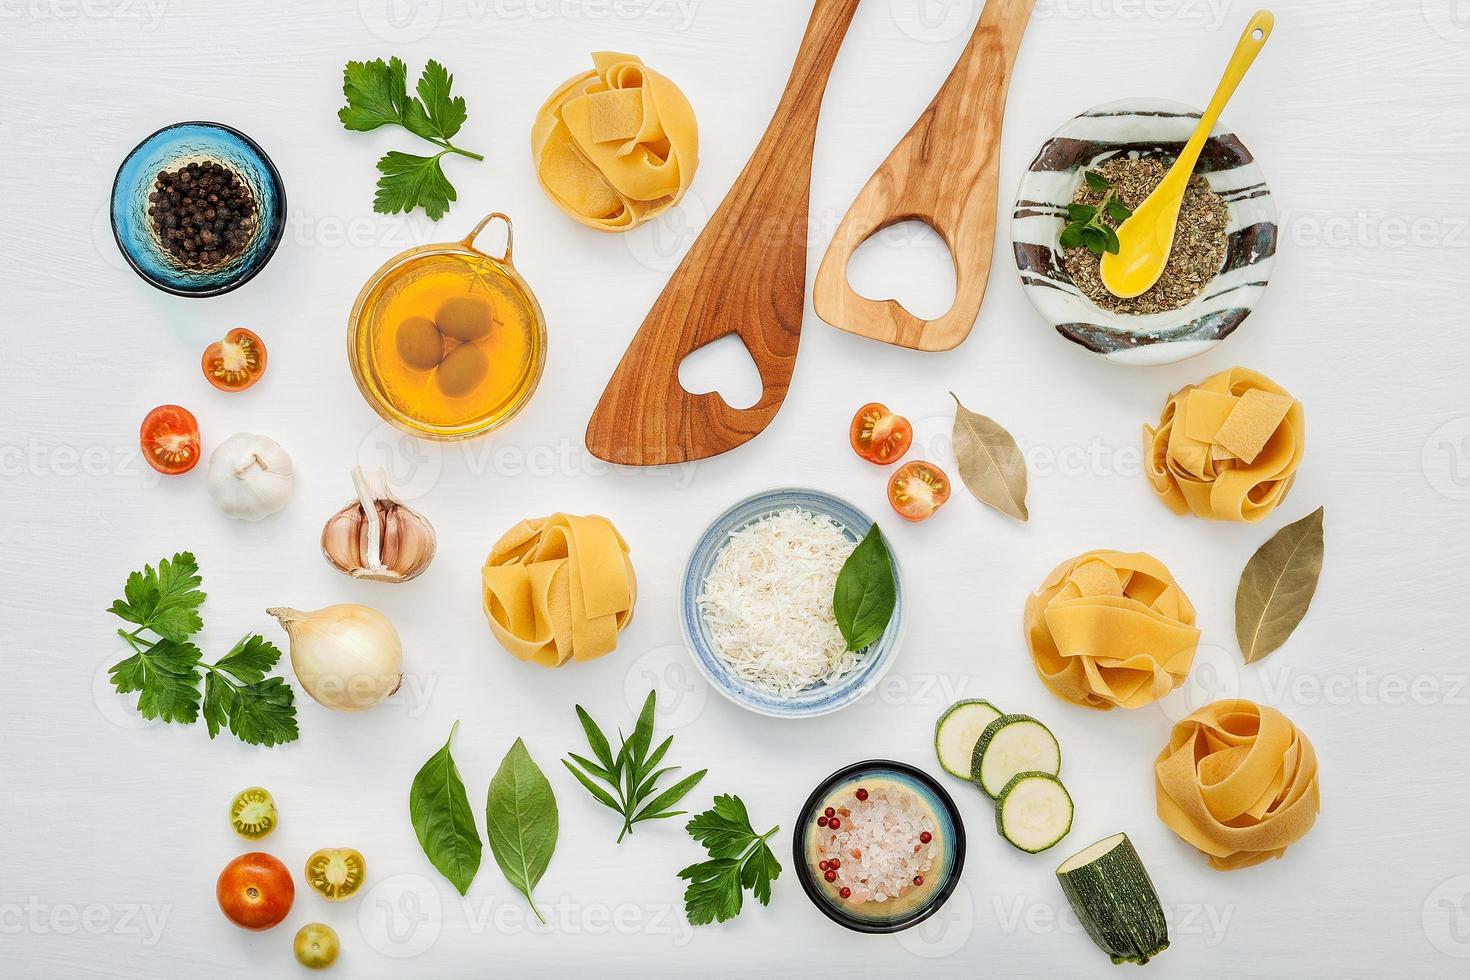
<point>335,873</point>
<point>878,435</point>
<point>236,362</point>
<point>917,490</point>
<point>169,438</point>
<point>253,813</point>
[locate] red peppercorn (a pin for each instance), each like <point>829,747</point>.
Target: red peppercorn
<point>918,879</point>
<point>834,823</point>
<point>845,892</point>
<point>862,794</point>
<point>829,813</point>
<point>925,837</point>
<point>821,821</point>
<point>830,876</point>
<point>834,864</point>
<point>823,865</point>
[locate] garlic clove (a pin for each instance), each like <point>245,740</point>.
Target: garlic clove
<point>378,538</point>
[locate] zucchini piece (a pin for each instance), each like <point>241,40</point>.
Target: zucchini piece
<point>1033,812</point>
<point>1012,744</point>
<point>957,731</point>
<point>1111,893</point>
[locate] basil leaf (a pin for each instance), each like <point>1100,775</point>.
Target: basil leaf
<point>866,592</point>
<point>442,819</point>
<point>520,815</point>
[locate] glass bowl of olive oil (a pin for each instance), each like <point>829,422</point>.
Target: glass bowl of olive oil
<point>447,342</point>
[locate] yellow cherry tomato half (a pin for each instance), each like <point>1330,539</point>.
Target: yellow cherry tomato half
<point>317,946</point>
<point>336,873</point>
<point>253,813</point>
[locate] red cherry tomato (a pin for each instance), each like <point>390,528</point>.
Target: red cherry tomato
<point>878,435</point>
<point>255,891</point>
<point>169,438</point>
<point>917,490</point>
<point>236,362</point>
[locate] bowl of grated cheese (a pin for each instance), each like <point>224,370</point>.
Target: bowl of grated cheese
<point>756,605</point>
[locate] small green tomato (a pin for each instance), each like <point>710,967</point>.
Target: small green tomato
<point>317,946</point>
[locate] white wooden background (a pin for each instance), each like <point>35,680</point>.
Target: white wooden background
<point>112,831</point>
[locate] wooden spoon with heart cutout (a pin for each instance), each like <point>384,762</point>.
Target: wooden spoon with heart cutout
<point>745,274</point>
<point>946,173</point>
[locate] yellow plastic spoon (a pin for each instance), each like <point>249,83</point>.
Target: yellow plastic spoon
<point>1144,240</point>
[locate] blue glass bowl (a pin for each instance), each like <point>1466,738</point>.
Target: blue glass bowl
<point>820,699</point>
<point>898,914</point>
<point>167,149</point>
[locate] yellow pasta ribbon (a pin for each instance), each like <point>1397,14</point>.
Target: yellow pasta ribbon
<point>559,588</point>
<point>1227,448</point>
<point>1239,782</point>
<point>1111,629</point>
<point>615,146</point>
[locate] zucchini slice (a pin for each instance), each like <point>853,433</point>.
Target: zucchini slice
<point>1033,811</point>
<point>1012,744</point>
<point>957,731</point>
<point>1111,893</point>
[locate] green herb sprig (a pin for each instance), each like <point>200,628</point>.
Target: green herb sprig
<point>166,670</point>
<point>633,773</point>
<point>1086,226</point>
<point>865,594</point>
<point>377,95</point>
<point>740,859</point>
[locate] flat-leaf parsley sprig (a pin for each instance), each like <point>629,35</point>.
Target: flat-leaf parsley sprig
<point>739,859</point>
<point>377,95</point>
<point>166,669</point>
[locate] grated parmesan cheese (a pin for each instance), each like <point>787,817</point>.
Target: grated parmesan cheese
<point>768,602</point>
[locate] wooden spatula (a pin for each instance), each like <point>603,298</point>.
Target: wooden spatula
<point>746,274</point>
<point>945,172</point>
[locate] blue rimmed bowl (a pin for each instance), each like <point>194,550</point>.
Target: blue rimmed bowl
<point>820,699</point>
<point>168,149</point>
<point>901,912</point>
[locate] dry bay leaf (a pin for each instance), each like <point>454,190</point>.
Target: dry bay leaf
<point>990,462</point>
<point>1277,587</point>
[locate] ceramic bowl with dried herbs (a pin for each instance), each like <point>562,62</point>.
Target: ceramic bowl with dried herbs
<point>1084,182</point>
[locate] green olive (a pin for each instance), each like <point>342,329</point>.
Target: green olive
<point>419,344</point>
<point>464,318</point>
<point>317,946</point>
<point>463,368</point>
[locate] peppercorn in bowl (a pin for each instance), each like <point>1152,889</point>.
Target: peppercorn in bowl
<point>1084,182</point>
<point>198,209</point>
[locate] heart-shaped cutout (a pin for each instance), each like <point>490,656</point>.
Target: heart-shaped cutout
<point>722,365</point>
<point>908,262</point>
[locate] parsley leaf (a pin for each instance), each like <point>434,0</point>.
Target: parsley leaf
<point>435,114</point>
<point>739,859</point>
<point>165,672</point>
<point>377,95</point>
<point>167,675</point>
<point>633,774</point>
<point>409,182</point>
<point>164,601</point>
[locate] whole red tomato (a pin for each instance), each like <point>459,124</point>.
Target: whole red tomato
<point>255,891</point>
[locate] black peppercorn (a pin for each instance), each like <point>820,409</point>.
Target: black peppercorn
<point>203,213</point>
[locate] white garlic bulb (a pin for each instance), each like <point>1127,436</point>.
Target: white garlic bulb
<point>249,476</point>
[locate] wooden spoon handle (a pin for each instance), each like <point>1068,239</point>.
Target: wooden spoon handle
<point>745,274</point>
<point>944,172</point>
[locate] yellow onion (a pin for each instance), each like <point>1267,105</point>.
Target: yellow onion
<point>347,657</point>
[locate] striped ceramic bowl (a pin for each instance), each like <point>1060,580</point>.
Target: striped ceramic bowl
<point>1142,127</point>
<point>819,699</point>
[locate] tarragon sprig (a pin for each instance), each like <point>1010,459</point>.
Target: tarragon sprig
<point>632,774</point>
